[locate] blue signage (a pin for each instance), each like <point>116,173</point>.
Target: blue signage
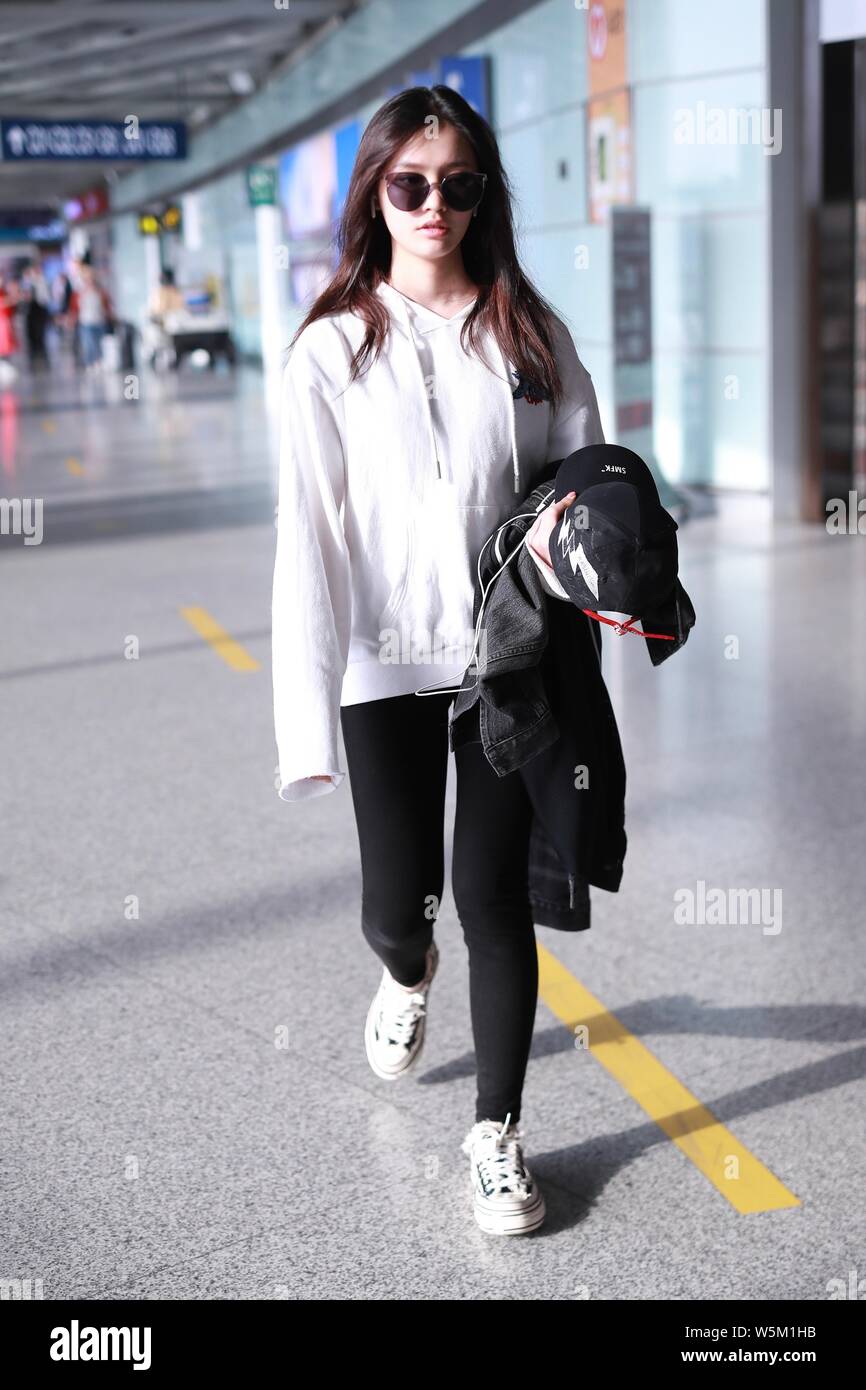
<point>347,138</point>
<point>50,231</point>
<point>471,78</point>
<point>114,140</point>
<point>31,224</point>
<point>468,76</point>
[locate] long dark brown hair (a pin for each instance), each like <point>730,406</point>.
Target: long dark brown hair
<point>507,303</point>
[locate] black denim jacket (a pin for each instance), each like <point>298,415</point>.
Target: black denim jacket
<point>537,702</point>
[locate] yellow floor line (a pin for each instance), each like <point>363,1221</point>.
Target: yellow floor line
<point>730,1167</point>
<point>231,651</point>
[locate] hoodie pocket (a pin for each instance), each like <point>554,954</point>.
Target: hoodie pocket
<point>435,594</point>
<point>398,593</point>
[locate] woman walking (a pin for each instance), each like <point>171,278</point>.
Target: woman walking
<point>426,390</point>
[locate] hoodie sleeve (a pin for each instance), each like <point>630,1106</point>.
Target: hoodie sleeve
<point>576,421</point>
<point>312,598</point>
<point>573,424</point>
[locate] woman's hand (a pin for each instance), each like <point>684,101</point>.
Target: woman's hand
<point>538,538</point>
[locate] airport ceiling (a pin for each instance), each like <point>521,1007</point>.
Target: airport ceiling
<point>171,60</point>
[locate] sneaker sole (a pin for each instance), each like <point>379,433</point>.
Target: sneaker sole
<point>517,1222</point>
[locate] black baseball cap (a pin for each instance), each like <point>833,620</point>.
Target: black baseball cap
<point>615,546</point>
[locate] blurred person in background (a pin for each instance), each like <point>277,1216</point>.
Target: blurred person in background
<point>37,311</point>
<point>166,298</point>
<point>8,305</point>
<point>61,292</point>
<point>61,301</point>
<point>92,309</point>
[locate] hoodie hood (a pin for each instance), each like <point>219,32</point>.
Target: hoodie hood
<point>417,318</point>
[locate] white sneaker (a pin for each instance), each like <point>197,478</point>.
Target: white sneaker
<point>507,1199</point>
<point>396,1021</point>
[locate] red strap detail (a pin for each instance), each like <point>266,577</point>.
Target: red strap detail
<point>627,627</point>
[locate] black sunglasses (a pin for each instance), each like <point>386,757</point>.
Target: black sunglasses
<point>462,191</point>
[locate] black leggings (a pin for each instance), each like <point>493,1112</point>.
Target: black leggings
<point>397,756</point>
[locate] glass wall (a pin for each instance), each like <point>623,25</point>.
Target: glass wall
<point>129,269</point>
<point>221,236</point>
<point>684,64</point>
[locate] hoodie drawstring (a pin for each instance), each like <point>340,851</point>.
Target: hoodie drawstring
<point>512,419</point>
<point>397,300</point>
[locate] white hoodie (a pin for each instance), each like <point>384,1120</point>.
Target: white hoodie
<point>387,492</point>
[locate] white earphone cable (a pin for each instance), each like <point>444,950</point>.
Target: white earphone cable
<point>432,689</point>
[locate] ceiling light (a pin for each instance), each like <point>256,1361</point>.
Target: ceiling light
<point>241,82</point>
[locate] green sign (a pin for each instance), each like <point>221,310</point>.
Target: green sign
<point>261,185</point>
